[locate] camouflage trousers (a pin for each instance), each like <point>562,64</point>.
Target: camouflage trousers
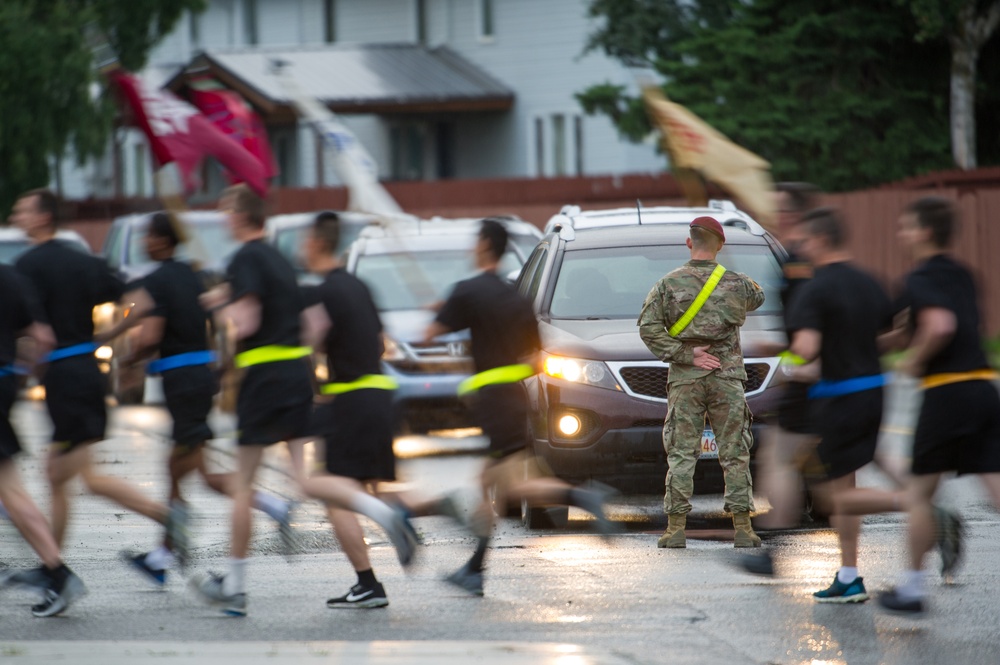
<point>723,403</point>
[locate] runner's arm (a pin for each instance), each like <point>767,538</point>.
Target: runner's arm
<point>935,328</point>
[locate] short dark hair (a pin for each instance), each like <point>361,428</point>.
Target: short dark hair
<point>326,228</point>
<point>495,234</point>
<point>246,201</point>
<point>826,222</point>
<point>161,226</point>
<point>48,203</point>
<point>937,214</point>
<point>802,195</point>
<point>702,238</point>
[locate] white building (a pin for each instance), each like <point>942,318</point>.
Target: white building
<point>499,77</point>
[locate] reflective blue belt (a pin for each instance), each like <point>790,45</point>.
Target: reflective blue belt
<point>70,351</point>
<point>188,359</point>
<point>826,388</point>
<point>8,370</point>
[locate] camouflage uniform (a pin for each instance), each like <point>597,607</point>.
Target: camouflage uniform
<point>695,393</point>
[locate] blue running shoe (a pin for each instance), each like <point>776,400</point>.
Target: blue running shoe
<point>138,562</point>
<point>838,592</point>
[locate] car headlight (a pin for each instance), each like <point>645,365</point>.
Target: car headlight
<point>393,351</point>
<point>589,372</point>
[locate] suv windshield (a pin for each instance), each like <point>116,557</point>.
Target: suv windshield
<point>612,282</point>
<point>9,251</point>
<point>414,280</point>
<point>214,240</point>
<point>289,241</point>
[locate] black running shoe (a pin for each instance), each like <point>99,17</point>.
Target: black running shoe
<point>949,536</point>
<point>56,601</point>
<point>360,598</point>
<point>138,562</point>
<point>467,580</point>
<point>758,564</point>
<point>30,578</point>
<point>892,602</point>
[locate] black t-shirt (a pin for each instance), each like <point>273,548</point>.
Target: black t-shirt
<point>849,308</point>
<point>503,326</point>
<point>943,282</point>
<point>353,345</point>
<point>259,269</point>
<point>69,284</point>
<point>17,312</point>
<point>175,288</point>
<point>796,273</point>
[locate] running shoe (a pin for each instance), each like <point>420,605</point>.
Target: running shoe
<point>56,601</point>
<point>449,507</point>
<point>178,531</point>
<point>403,537</point>
<point>838,592</point>
<point>209,588</point>
<point>758,564</point>
<point>360,597</point>
<point>29,578</point>
<point>949,535</point>
<point>290,543</point>
<point>467,580</point>
<point>593,499</point>
<point>892,601</point>
<point>138,562</point>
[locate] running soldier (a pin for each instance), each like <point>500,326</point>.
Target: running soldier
<point>175,325</point>
<point>504,347</point>
<point>354,416</point>
<point>837,318</point>
<point>959,424</point>
<point>61,586</point>
<point>262,303</point>
<point>69,284</point>
<point>691,319</point>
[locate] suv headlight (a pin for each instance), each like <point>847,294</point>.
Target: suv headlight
<point>589,372</point>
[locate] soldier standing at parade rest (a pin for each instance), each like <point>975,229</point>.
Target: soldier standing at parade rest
<point>63,586</point>
<point>69,284</point>
<point>691,319</point>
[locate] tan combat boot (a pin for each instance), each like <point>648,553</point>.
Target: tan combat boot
<point>745,536</point>
<point>674,535</point>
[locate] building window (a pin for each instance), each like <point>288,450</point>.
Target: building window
<point>139,169</point>
<point>540,147</point>
<point>578,143</point>
<point>486,24</point>
<point>406,145</point>
<point>250,26</point>
<point>330,21</point>
<point>559,144</point>
<point>420,21</point>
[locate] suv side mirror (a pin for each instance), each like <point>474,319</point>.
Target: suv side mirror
<point>512,276</point>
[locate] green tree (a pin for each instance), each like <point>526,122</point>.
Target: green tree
<point>967,25</point>
<point>836,92</point>
<point>51,97</point>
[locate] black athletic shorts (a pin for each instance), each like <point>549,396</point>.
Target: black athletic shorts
<point>275,402</point>
<point>357,427</point>
<point>502,411</point>
<point>189,392</point>
<point>848,427</point>
<point>74,394</point>
<point>794,409</point>
<point>958,429</point>
<point>9,445</point>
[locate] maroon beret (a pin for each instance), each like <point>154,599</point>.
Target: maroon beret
<point>710,224</point>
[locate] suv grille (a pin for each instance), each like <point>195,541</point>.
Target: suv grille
<point>651,381</point>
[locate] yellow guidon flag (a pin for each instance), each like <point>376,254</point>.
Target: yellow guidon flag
<point>698,151</point>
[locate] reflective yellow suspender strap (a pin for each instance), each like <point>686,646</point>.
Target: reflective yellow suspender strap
<point>497,375</point>
<point>270,354</point>
<point>375,381</point>
<point>699,301</point>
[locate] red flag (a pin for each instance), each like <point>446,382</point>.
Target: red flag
<point>227,111</point>
<point>177,132</point>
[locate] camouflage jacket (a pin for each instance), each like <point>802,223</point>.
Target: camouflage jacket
<point>717,325</point>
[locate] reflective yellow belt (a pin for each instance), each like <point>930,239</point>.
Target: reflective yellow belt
<point>699,301</point>
<point>497,375</point>
<point>937,380</point>
<point>271,353</point>
<point>375,381</point>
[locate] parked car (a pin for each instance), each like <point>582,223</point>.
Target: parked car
<point>209,247</point>
<point>597,409</point>
<point>14,242</point>
<point>408,270</point>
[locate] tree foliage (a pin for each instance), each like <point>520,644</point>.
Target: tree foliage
<point>51,99</point>
<point>836,92</point>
